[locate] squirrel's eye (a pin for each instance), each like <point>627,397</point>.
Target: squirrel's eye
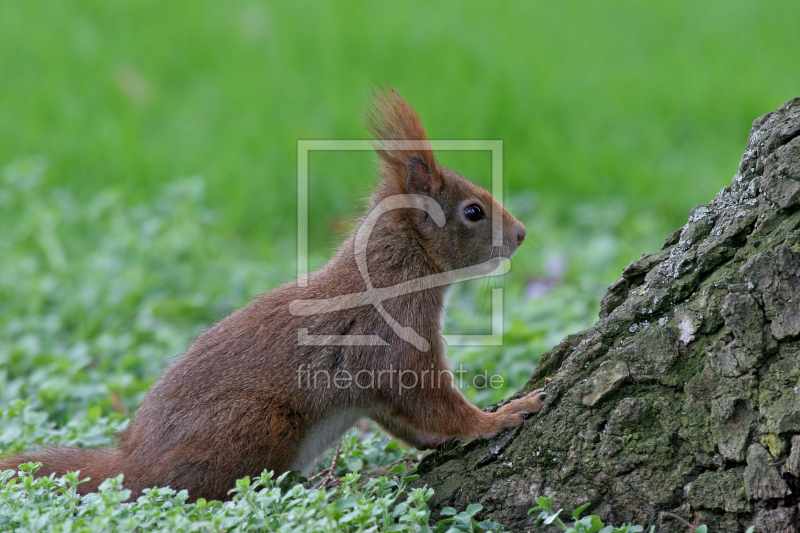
<point>473,213</point>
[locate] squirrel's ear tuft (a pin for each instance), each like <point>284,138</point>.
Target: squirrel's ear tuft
<point>401,143</point>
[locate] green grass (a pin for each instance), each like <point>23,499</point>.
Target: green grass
<point>149,151</point>
<point>649,103</point>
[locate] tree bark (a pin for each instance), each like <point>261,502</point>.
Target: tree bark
<point>684,397</point>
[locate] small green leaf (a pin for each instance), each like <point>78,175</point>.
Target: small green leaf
<point>344,503</point>
<point>474,509</point>
<point>448,511</point>
<point>576,514</point>
<point>30,467</point>
<point>354,464</point>
<point>552,517</point>
<point>594,523</point>
<point>545,503</point>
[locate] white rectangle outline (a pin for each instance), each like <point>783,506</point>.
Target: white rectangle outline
<point>304,146</point>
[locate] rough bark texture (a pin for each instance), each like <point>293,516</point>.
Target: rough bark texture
<point>684,398</point>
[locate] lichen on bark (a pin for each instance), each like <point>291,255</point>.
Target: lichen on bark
<point>684,397</point>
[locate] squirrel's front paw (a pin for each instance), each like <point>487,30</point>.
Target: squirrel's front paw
<point>532,403</point>
<point>516,409</point>
<point>513,413</point>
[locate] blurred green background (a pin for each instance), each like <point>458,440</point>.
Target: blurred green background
<point>649,103</point>
<point>149,154</point>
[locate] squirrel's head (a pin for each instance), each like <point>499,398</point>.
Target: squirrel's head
<point>408,167</point>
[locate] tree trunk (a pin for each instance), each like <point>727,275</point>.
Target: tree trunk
<point>684,397</point>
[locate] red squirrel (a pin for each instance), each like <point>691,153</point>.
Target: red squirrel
<point>263,389</point>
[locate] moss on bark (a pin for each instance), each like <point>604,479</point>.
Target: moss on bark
<point>684,397</point>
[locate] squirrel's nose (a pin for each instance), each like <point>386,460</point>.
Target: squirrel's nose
<point>520,236</point>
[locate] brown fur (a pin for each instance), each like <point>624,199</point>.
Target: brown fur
<point>233,405</point>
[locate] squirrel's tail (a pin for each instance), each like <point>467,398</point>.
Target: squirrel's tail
<point>97,464</point>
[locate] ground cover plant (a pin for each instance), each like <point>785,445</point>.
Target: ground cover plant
<point>265,503</point>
